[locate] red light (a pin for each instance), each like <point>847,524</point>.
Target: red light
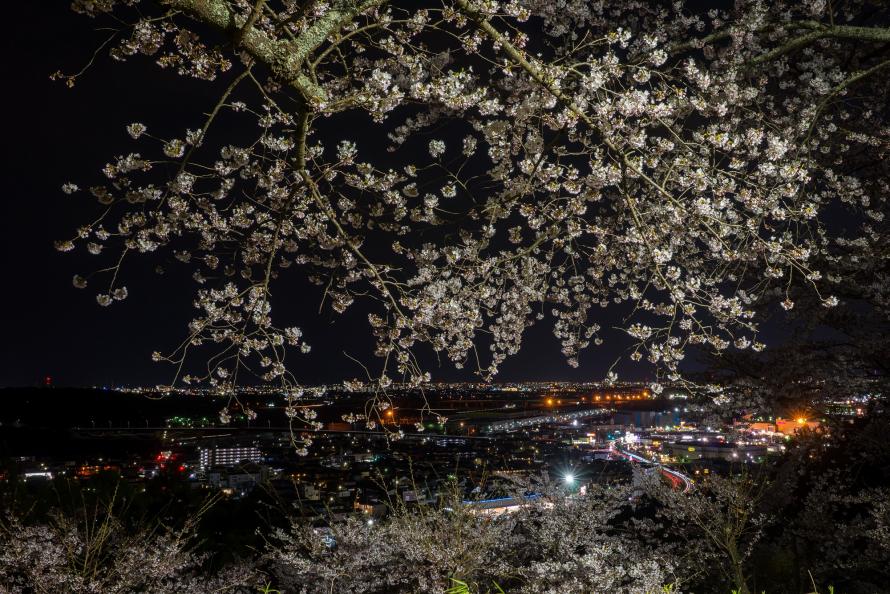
<point>181,468</point>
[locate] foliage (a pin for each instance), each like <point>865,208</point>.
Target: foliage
<point>93,551</point>
<point>642,538</point>
<point>469,168</point>
<point>720,520</point>
<point>552,545</point>
<point>472,167</point>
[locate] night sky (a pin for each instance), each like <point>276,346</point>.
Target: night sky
<point>54,134</point>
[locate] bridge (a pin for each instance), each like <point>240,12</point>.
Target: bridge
<point>518,423</point>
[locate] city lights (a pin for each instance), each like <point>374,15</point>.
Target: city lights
<point>620,266</point>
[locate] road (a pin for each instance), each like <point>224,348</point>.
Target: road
<point>676,478</point>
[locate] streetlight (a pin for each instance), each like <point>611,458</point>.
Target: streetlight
<point>569,478</point>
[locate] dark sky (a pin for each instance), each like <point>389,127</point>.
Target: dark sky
<point>54,134</point>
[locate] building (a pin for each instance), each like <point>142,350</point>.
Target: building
<point>240,481</point>
<point>780,425</point>
<point>502,505</point>
<point>229,456</point>
<point>702,450</point>
<point>792,426</point>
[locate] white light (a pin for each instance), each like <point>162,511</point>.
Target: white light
<point>569,478</point>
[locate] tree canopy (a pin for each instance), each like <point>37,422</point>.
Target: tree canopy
<point>472,167</point>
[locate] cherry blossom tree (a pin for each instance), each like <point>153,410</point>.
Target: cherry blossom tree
<point>472,167</point>
<point>553,544</point>
<point>413,550</point>
<point>721,520</point>
<point>827,504</point>
<point>828,354</point>
<point>94,551</point>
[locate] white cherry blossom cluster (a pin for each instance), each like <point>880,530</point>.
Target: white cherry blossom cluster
<point>675,165</point>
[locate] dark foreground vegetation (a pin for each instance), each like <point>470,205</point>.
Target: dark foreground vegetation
<point>817,518</point>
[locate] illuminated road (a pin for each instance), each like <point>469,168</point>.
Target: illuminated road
<point>676,478</point>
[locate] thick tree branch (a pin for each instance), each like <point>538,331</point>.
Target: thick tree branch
<point>792,45</point>
<point>284,57</point>
<point>817,31</point>
<point>871,34</point>
<point>255,13</point>
<point>821,31</point>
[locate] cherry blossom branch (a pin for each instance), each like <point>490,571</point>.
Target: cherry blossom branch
<point>284,58</point>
